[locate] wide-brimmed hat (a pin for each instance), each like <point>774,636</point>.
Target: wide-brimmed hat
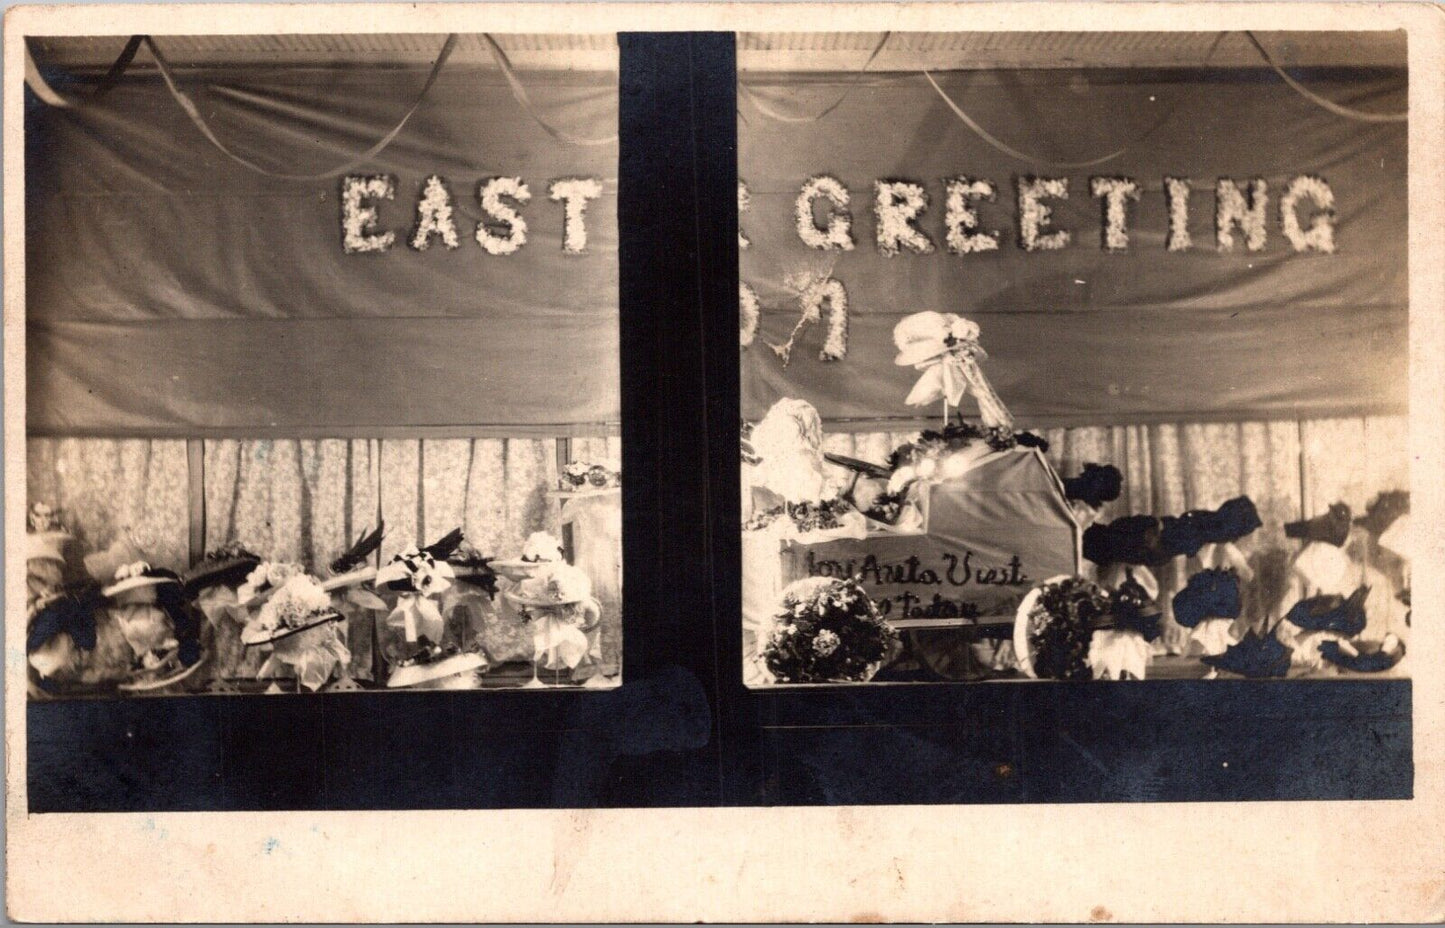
<point>539,550</point>
<point>226,566</point>
<point>924,336</point>
<point>431,667</point>
<point>1361,657</point>
<point>559,585</point>
<point>138,574</point>
<point>48,545</point>
<point>71,612</point>
<point>300,604</point>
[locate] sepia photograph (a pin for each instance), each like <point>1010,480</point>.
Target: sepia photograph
<point>1074,356</point>
<point>1055,538</point>
<point>322,382</point>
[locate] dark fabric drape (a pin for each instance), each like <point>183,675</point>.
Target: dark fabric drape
<point>1081,336</point>
<point>172,292</point>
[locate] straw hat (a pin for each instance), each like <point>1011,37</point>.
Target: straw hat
<point>138,574</point>
<point>559,585</point>
<point>924,336</point>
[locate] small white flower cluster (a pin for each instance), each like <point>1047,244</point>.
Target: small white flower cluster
<point>541,546</point>
<point>1232,207</point>
<point>358,221</point>
<point>838,235</point>
<point>1321,234</point>
<point>265,576</point>
<point>1034,215</point>
<point>745,200</point>
<point>963,237</point>
<point>749,314</point>
<point>897,203</point>
<point>826,642</point>
<point>830,291</point>
<point>1176,191</point>
<point>434,216</point>
<point>1116,192</point>
<point>491,193</point>
<point>133,569</point>
<point>298,600</point>
<point>573,193</point>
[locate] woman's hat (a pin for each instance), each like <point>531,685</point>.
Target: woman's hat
<point>1128,540</point>
<point>1382,511</point>
<point>71,612</point>
<point>433,667</point>
<point>48,545</point>
<point>558,585</point>
<point>229,566</point>
<point>1097,485</point>
<point>138,574</point>
<point>1331,613</point>
<point>1210,594</point>
<point>1332,528</point>
<point>1363,658</point>
<point>924,336</point>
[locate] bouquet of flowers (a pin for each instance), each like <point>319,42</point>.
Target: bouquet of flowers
<point>1055,628</point>
<point>827,631</point>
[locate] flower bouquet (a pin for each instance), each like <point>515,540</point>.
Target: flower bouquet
<point>1054,628</point>
<point>827,631</point>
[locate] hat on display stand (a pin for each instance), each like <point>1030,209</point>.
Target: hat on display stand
<point>46,538</point>
<point>299,627</point>
<point>420,577</point>
<point>559,604</point>
<point>159,622</point>
<point>539,550</point>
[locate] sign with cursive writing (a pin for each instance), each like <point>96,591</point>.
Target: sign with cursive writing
<point>991,536</point>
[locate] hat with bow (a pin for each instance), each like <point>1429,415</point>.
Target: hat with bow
<point>945,347</point>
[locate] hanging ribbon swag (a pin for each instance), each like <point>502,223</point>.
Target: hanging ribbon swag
<point>945,347</point>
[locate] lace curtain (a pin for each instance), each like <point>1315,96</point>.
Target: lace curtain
<point>308,499</point>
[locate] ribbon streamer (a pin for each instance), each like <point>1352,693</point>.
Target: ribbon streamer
<point>188,106</point>
<point>1317,100</point>
<point>44,91</point>
<point>758,104</point>
<point>520,93</point>
<point>983,133</point>
<point>418,616</point>
<point>956,372</point>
